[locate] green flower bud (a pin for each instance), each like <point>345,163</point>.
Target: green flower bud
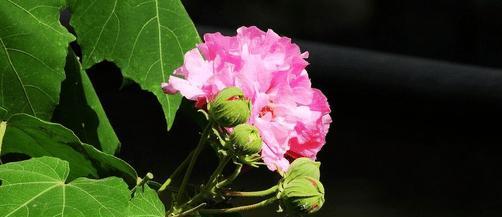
<point>303,167</point>
<point>303,195</point>
<point>230,108</point>
<point>246,140</point>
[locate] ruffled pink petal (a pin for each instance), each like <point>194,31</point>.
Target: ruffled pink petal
<point>186,88</point>
<point>197,70</point>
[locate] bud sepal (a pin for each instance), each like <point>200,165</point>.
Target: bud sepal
<point>303,167</point>
<point>302,195</point>
<point>230,107</point>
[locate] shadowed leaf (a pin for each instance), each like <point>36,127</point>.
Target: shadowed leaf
<point>81,111</point>
<point>29,135</point>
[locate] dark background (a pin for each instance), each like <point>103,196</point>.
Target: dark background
<point>412,136</point>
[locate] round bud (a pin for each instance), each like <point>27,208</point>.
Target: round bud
<point>230,108</point>
<point>303,195</point>
<point>303,167</point>
<point>246,140</point>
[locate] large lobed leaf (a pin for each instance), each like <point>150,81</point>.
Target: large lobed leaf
<point>33,47</point>
<point>81,111</point>
<point>146,202</point>
<point>38,187</point>
<point>145,38</point>
<point>29,135</point>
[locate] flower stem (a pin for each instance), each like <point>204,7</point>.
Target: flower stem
<point>252,193</point>
<point>231,178</point>
<point>143,181</point>
<point>239,208</point>
<point>219,169</point>
<point>188,212</point>
<point>176,172</point>
<point>191,165</point>
<point>208,188</point>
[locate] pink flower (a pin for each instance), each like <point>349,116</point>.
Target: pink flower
<point>293,118</point>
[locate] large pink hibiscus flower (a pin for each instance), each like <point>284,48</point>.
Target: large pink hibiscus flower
<point>293,118</point>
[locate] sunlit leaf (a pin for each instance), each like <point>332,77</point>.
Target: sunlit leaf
<point>33,47</point>
<point>38,187</point>
<point>146,202</point>
<point>145,38</point>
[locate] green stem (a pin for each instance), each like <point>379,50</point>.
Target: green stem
<point>210,183</point>
<point>141,182</point>
<point>252,193</point>
<point>219,169</point>
<point>3,127</point>
<point>191,165</point>
<point>231,178</point>
<point>190,211</point>
<point>176,172</point>
<point>239,208</point>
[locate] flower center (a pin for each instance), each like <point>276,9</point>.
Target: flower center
<point>265,110</point>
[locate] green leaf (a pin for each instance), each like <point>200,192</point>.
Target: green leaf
<point>33,46</point>
<point>145,38</point>
<point>34,137</point>
<point>38,187</point>
<point>81,111</point>
<point>109,165</point>
<point>146,202</point>
<point>31,136</point>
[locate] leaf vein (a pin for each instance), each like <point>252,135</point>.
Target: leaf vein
<point>35,58</point>
<point>34,17</point>
<point>103,29</point>
<point>136,39</point>
<point>17,75</point>
<point>150,68</point>
<point>32,199</point>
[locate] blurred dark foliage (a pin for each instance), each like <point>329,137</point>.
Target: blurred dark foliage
<point>467,31</point>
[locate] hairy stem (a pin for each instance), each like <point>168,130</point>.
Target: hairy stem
<point>176,172</point>
<point>195,155</point>
<point>239,208</point>
<point>231,178</point>
<point>143,181</point>
<point>252,193</point>
<point>219,169</point>
<point>210,184</point>
<point>190,211</point>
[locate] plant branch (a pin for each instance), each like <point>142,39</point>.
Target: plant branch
<point>210,183</point>
<point>231,178</point>
<point>176,172</point>
<point>141,182</point>
<point>219,169</point>
<point>252,193</point>
<point>191,165</point>
<point>190,210</point>
<point>239,208</point>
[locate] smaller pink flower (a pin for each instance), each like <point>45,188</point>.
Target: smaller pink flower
<point>293,118</point>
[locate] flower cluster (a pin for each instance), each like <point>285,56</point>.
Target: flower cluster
<point>291,116</point>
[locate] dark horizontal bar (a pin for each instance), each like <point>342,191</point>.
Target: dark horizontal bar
<point>423,76</point>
